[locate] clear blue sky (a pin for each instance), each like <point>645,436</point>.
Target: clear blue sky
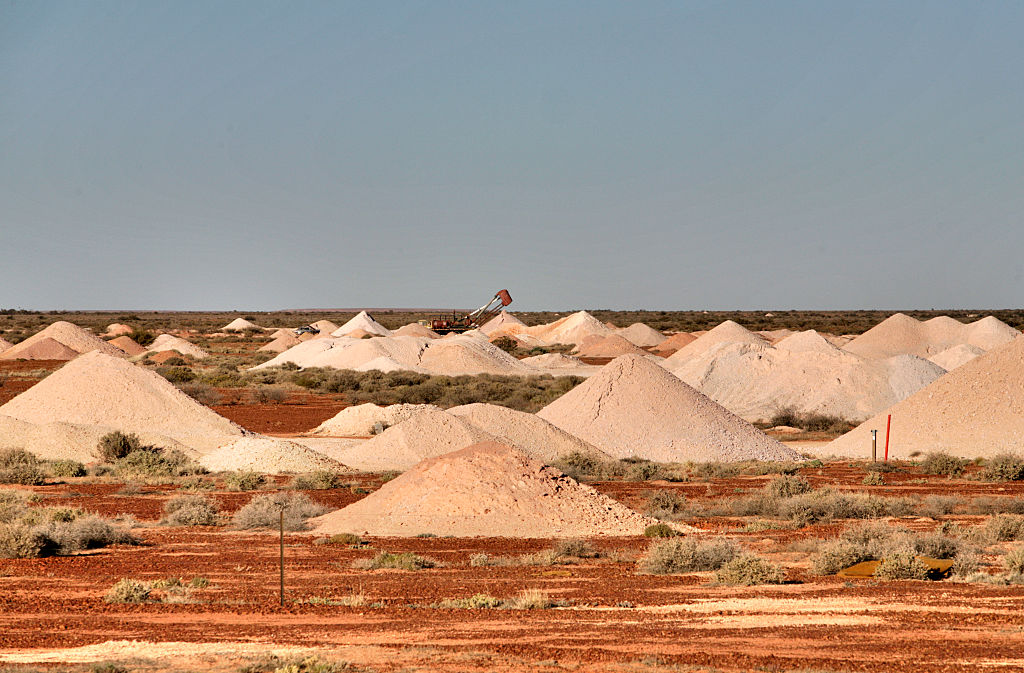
<point>221,155</point>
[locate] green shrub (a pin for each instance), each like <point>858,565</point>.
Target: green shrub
<point>244,481</point>
<point>837,555</point>
<point>660,530</point>
<point>315,481</point>
<point>13,503</point>
<point>474,602</point>
<point>940,462</point>
<point>665,504</point>
<point>683,555</point>
<point>66,469</point>
<point>158,464</point>
<point>529,599</point>
<point>573,548</point>
<point>937,545</point>
<point>348,539</point>
<point>935,506</point>
<point>643,471</point>
<point>966,562</point>
<point>403,561</point>
<point>18,466</point>
<point>116,445</point>
<point>1014,560</point>
<point>1004,527</point>
<point>264,511</point>
<point>177,374</point>
<point>787,486</point>
<point>191,510</point>
<point>826,504</point>
<point>201,393</point>
<point>901,566</point>
<point>21,541</point>
<point>873,479</point>
<point>128,591</point>
<point>142,336</point>
<point>749,570</point>
<point>1004,467</point>
<point>84,532</point>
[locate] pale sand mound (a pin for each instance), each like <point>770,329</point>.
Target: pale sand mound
<point>41,349</point>
<point>674,343</point>
<point>484,490</point>
<point>499,321</point>
<point>160,357</point>
<point>69,441</point>
<point>467,354</point>
<point>953,357</point>
<point>633,407</point>
<point>168,342</point>
<point>726,332</point>
<point>976,410</point>
<point>363,321</point>
<point>301,353</point>
<point>271,456</point>
<point>117,329</point>
<point>572,329</point>
<point>806,341</point>
<point>325,326</point>
<point>641,335</point>
<point>72,336</point>
<point>4,345</point>
<point>97,389</point>
<point>240,325</point>
<point>359,334</point>
<point>360,420</point>
<point>990,332</point>
<point>128,345</point>
<point>553,361</point>
<point>416,330</point>
<point>607,347</point>
<point>282,332</point>
<point>526,432</point>
<point>425,435</point>
<point>516,332</point>
<point>757,382</point>
<point>281,343</point>
<point>774,336</point>
<point>900,334</point>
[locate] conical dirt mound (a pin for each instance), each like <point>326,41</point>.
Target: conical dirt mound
<point>97,389</point>
<point>4,345</point>
<point>634,407</point>
<point>363,321</point>
<point>484,490</point>
<point>128,345</point>
<point>240,325</point>
<point>501,320</point>
<point>641,334</point>
<point>169,342</point>
<point>726,332</point>
<point>71,336</point>
<point>976,410</point>
<point>425,435</point>
<point>953,357</point>
<point>361,419</point>
<point>572,329</point>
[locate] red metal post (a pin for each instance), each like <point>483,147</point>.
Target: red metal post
<point>888,424</point>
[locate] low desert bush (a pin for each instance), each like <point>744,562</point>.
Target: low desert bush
<point>1003,527</point>
<point>873,479</point>
<point>836,555</point>
<point>264,511</point>
<point>116,445</point>
<point>995,505</point>
<point>530,599</point>
<point>683,555</point>
<point>403,561</point>
<point>1003,467</point>
<point>156,465</point>
<point>786,486</point>
<point>84,532</point>
<point>901,566</point>
<point>474,602</point>
<point>244,481</point>
<point>200,392</point>
<point>178,374</point>
<point>940,462</point>
<point>191,510</point>
<point>1014,560</point>
<point>660,530</point>
<point>937,545</point>
<point>128,590</point>
<point>21,541</point>
<point>935,506</point>
<point>966,563</point>
<point>347,539</point>
<point>749,570</point>
<point>665,504</point>
<point>315,481</point>
<point>574,548</point>
<point>66,469</point>
<point>18,466</point>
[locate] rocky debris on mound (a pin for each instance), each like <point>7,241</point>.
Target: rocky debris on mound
<point>900,334</point>
<point>74,338</point>
<point>673,343</point>
<point>485,490</point>
<point>117,329</point>
<point>70,441</point>
<point>641,335</point>
<point>634,407</point>
<point>726,332</point>
<point>425,435</point>
<point>326,327</point>
<point>363,321</point>
<point>415,329</point>
<point>502,320</point>
<point>268,455</point>
<point>365,420</point>
<point>281,343</point>
<point>128,345</point>
<point>527,432</point>
<point>976,410</point>
<point>572,329</point>
<point>169,342</point>
<point>553,361</point>
<point>756,382</point>
<point>609,346</point>
<point>240,325</point>
<point>953,357</point>
<point>97,389</point>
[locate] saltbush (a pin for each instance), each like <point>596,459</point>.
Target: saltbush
<point>901,566</point>
<point>940,462</point>
<point>749,570</point>
<point>403,561</point>
<point>683,555</point>
<point>191,510</point>
<point>128,590</point>
<point>1004,467</point>
<point>264,511</point>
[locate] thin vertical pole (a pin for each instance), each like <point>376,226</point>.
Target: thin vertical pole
<point>874,446</point>
<point>888,424</point>
<point>282,557</point>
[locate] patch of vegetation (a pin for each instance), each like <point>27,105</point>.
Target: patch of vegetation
<point>684,555</point>
<point>873,479</point>
<point>1004,467</point>
<point>156,465</point>
<point>191,510</point>
<point>18,466</point>
<point>264,511</point>
<point>317,481</point>
<point>244,481</point>
<point>940,462</point>
<point>786,486</point>
<point>810,422</point>
<point>66,469</point>
<point>1014,560</point>
<point>401,561</point>
<point>128,590</point>
<point>749,570</point>
<point>347,539</point>
<point>660,530</point>
<point>901,566</point>
<point>665,504</point>
<point>273,663</point>
<point>116,445</point>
